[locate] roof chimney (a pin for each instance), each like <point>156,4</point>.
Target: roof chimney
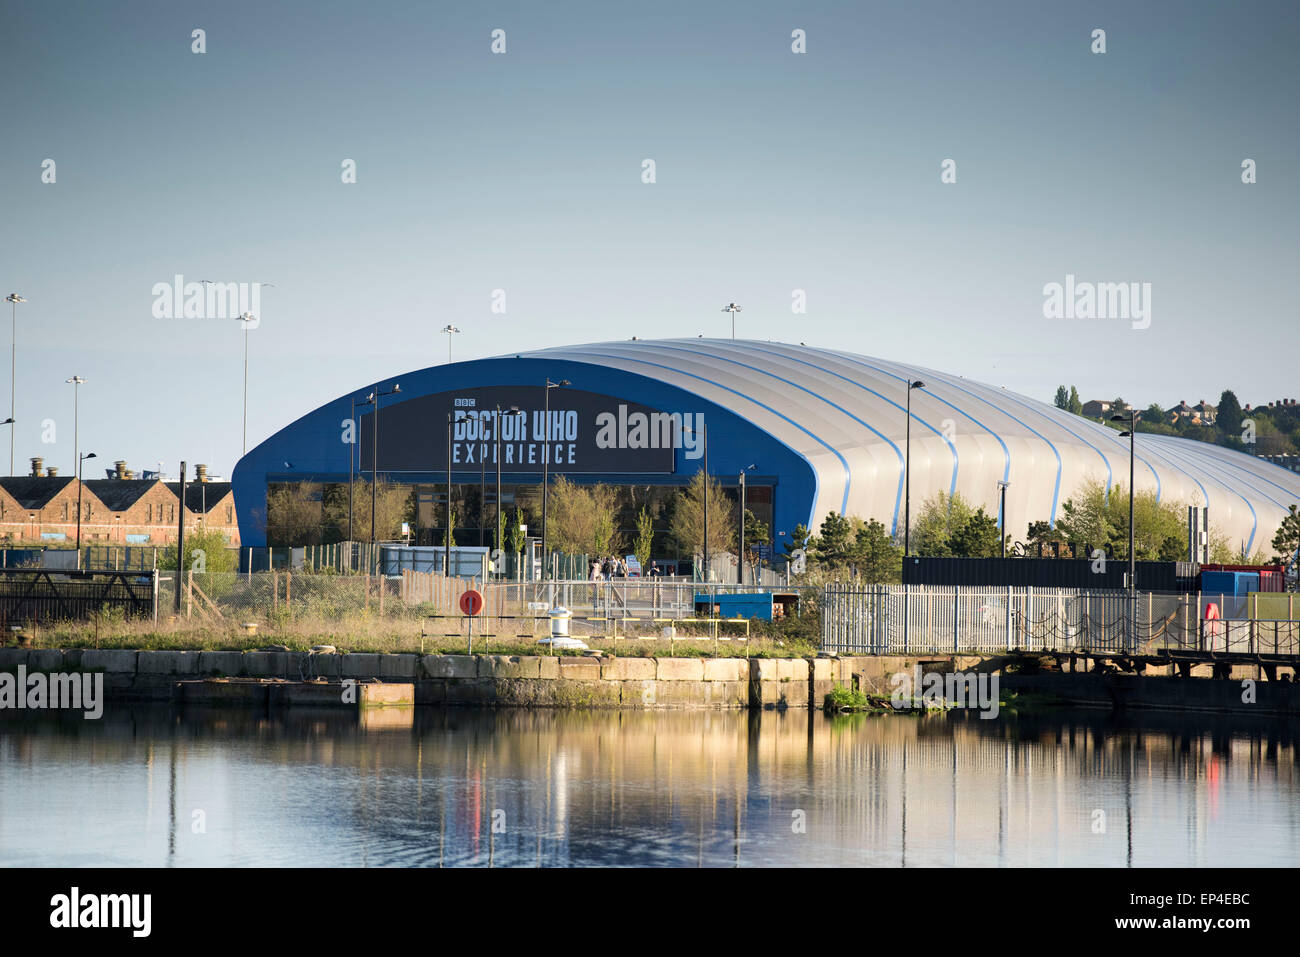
<point>38,464</point>
<point>128,474</point>
<point>119,469</point>
<point>52,471</point>
<point>201,473</point>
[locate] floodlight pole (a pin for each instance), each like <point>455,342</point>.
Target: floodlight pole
<point>907,472</point>
<point>13,299</point>
<point>1003,515</point>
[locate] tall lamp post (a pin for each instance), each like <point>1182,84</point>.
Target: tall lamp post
<point>496,435</point>
<point>373,400</point>
<point>1003,486</point>
<point>13,299</point>
<point>446,561</point>
<point>740,578</point>
<point>351,459</point>
<point>732,308</point>
<point>76,382</point>
<point>450,330</point>
<point>247,319</point>
<point>546,461</point>
<point>1129,434</point>
<point>80,460</point>
<point>907,471</point>
<point>1131,419</point>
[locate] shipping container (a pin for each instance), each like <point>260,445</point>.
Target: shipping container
<point>1048,573</point>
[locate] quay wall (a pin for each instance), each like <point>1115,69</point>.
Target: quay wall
<point>643,683</point>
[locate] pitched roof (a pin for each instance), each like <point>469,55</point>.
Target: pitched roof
<point>33,492</point>
<point>119,494</point>
<point>197,494</point>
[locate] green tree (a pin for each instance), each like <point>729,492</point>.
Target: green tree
<point>1227,418</point>
<point>833,543</point>
<point>295,514</point>
<point>1095,520</point>
<point>1062,400</point>
<point>206,551</point>
<point>756,533</point>
<point>394,504</point>
<point>878,557</point>
<point>978,537</point>
<point>514,533</point>
<point>1287,540</point>
<point>801,537</point>
<point>1042,533</point>
<point>1076,404</point>
<point>582,519</point>
<point>939,519</point>
<point>645,533</point>
<point>688,518</point>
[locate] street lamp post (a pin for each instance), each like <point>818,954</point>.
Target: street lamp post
<point>1131,434</point>
<point>1002,512</point>
<point>446,561</point>
<point>740,577</point>
<point>80,459</point>
<point>732,308</point>
<point>352,419</point>
<point>373,399</point>
<point>450,330</point>
<point>497,437</point>
<point>246,318</point>
<point>546,462</point>
<point>13,299</point>
<point>907,471</point>
<point>1132,431</point>
<point>76,381</point>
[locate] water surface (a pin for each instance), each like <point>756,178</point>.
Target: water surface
<point>467,787</point>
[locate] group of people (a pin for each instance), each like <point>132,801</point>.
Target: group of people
<point>609,568</point>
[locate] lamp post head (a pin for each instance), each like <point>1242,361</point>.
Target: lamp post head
<point>1125,434</point>
<point>14,298</point>
<point>76,379</point>
<point>8,421</point>
<point>918,384</point>
<point>449,328</point>
<point>1004,485</point>
<point>88,455</point>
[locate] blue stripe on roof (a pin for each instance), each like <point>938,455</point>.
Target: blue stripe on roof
<point>848,474</point>
<point>784,418</point>
<point>952,488</point>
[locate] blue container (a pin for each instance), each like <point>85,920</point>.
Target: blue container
<point>1229,583</point>
<point>743,605</point>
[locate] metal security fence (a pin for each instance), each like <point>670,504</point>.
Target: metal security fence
<point>40,594</point>
<point>902,619</point>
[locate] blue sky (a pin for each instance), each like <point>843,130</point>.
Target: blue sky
<point>522,172</point>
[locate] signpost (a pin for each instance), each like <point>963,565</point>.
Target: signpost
<point>471,603</point>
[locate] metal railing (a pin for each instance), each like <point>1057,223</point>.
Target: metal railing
<point>929,619</point>
<point>42,594</point>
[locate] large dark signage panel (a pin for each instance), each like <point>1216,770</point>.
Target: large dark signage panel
<point>588,432</point>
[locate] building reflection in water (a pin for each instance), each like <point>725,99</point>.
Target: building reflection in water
<point>468,787</point>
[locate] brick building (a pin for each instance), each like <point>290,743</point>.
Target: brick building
<point>123,510</point>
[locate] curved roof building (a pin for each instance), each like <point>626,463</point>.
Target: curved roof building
<point>824,431</point>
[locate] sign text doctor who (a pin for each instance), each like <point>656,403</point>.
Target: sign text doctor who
<point>586,433</point>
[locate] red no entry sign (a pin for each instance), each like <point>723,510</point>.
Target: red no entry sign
<point>471,603</point>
